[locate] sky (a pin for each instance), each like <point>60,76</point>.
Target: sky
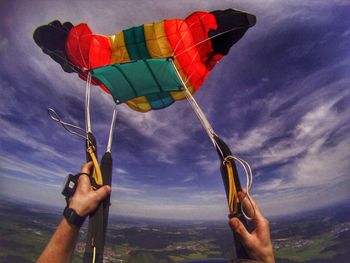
<point>280,99</point>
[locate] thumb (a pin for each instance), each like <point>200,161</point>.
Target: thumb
<point>239,229</point>
<point>102,192</point>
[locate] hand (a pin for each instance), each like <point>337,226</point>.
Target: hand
<point>257,243</point>
<point>85,200</point>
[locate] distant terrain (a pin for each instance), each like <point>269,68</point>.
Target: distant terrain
<point>318,236</point>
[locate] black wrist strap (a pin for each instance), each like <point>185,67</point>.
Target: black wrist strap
<point>78,174</point>
<point>72,217</point>
<point>70,185</point>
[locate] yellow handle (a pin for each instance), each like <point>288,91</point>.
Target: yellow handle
<point>232,196</point>
<point>97,175</point>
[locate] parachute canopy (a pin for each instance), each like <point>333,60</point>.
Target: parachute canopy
<point>134,66</point>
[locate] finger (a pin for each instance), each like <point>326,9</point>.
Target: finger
<point>85,168</point>
<point>84,180</point>
<point>239,229</point>
<point>84,184</point>
<point>249,206</point>
<point>102,193</point>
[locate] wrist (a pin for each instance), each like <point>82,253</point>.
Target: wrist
<point>269,259</point>
<point>70,227</point>
<point>80,209</point>
<point>72,217</point>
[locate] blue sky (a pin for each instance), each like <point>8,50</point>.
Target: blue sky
<point>280,99</point>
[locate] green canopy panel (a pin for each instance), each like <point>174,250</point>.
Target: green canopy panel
<point>154,78</point>
<point>136,43</point>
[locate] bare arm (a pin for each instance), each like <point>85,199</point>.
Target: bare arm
<point>62,244</point>
<point>257,243</point>
<point>60,248</point>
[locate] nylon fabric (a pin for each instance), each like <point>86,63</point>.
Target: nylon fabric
<point>119,52</point>
<point>200,24</point>
<point>159,46</point>
<point>139,104</point>
<point>180,38</point>
<point>140,78</point>
<point>86,49</point>
<point>78,53</point>
<point>156,40</point>
<point>160,100</point>
<point>120,55</point>
<point>135,43</point>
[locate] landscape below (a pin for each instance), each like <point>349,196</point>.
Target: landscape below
<point>317,236</point>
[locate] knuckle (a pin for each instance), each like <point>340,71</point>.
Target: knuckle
<point>237,228</point>
<point>82,179</point>
<point>240,229</point>
<point>106,190</point>
<point>265,222</point>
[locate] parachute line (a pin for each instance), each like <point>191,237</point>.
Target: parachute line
<point>203,119</point>
<point>187,32</point>
<point>72,66</point>
<point>193,70</point>
<point>210,131</point>
<point>73,129</point>
<point>249,182</point>
<point>79,46</point>
<point>87,103</point>
<point>111,130</point>
<point>204,40</point>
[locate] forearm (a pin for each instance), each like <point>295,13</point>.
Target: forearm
<point>61,247</point>
<point>62,244</point>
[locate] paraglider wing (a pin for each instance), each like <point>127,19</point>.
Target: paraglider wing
<point>195,43</point>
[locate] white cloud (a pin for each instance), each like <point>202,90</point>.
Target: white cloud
<point>9,131</point>
<point>189,178</point>
<point>320,173</point>
<point>119,189</point>
<point>208,163</point>
<point>325,167</point>
<point>318,122</point>
<point>208,197</point>
<point>120,171</point>
<point>16,166</point>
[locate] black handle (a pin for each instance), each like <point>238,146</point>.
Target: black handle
<point>106,169</point>
<point>99,219</point>
<point>224,152</point>
<point>95,237</point>
<point>95,227</point>
<point>241,252</point>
